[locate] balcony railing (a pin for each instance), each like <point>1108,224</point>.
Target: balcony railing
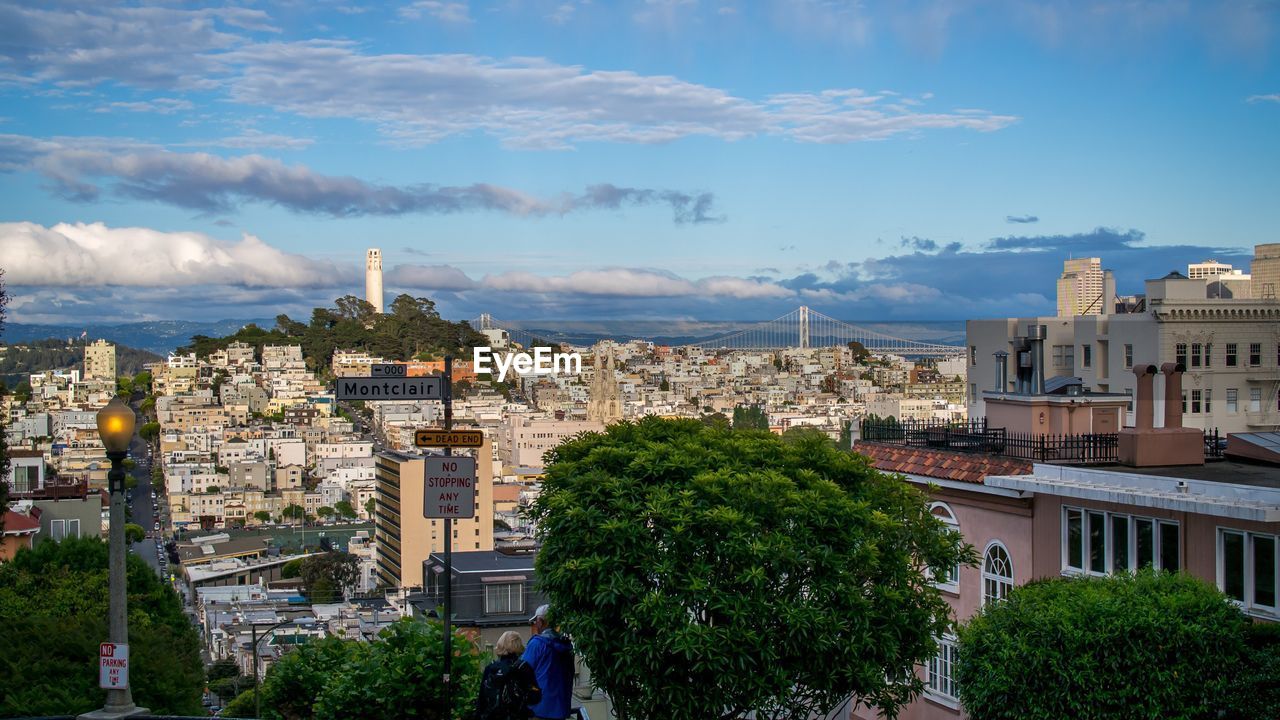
<point>974,436</point>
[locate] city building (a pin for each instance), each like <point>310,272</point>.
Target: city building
<point>528,439</point>
<point>100,361</point>
<point>1230,348</point>
<point>1084,288</point>
<point>493,591</point>
<point>403,537</point>
<point>373,278</point>
<point>1265,271</point>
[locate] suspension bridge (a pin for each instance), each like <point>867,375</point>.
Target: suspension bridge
<point>802,328</point>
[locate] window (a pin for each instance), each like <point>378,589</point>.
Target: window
<point>1099,543</point>
<point>938,681</point>
<point>1255,354</point>
<point>1233,400</point>
<point>1231,354</point>
<point>1247,569</point>
<point>1128,356</point>
<point>1086,355</point>
<point>1184,402</point>
<point>502,598</point>
<point>1180,353</point>
<point>1208,353</point>
<point>1195,354</point>
<point>951,582</point>
<point>1208,401</point>
<point>973,354</point>
<point>1195,402</point>
<point>57,529</point>
<point>1255,399</point>
<point>1129,392</point>
<point>997,574</point>
<point>1064,356</point>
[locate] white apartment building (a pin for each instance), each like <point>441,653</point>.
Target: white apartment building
<point>1230,347</point>
<point>100,361</point>
<point>526,439</point>
<point>1084,288</point>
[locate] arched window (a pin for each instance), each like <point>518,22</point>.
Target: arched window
<point>951,582</point>
<point>997,573</point>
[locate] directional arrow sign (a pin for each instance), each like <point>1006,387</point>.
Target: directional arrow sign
<point>448,438</point>
<point>374,388</point>
<point>381,370</point>
<point>449,489</point>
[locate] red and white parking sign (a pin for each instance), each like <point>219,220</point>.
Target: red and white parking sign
<point>113,666</point>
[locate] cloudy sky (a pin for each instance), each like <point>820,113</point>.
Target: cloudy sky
<point>570,159</point>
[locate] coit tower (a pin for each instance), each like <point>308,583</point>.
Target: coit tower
<point>373,278</point>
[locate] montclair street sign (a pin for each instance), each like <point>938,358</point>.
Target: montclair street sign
<point>390,388</point>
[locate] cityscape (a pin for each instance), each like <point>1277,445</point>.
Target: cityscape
<point>662,359</point>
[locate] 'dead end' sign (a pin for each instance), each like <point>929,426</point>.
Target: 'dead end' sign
<point>448,438</point>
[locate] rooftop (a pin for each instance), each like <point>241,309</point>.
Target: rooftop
<point>488,561</point>
<point>940,464</point>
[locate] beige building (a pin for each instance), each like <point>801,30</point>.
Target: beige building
<point>1084,288</point>
<point>404,538</point>
<point>1230,347</point>
<point>528,439</point>
<point>100,361</point>
<point>1265,271</point>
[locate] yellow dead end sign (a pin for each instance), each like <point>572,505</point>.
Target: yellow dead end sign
<point>448,438</point>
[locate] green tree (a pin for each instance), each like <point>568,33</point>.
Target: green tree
<point>291,569</point>
<point>149,431</point>
<point>713,574</point>
<point>241,706</point>
<point>345,509</point>
<point>369,506</point>
<point>860,351</point>
<point>53,609</point>
<point>262,516</point>
<point>142,382</point>
<point>124,386</point>
<point>750,417</point>
<point>1151,645</point>
<point>716,421</point>
<point>400,675</point>
<point>1255,690</point>
<point>294,512</point>
<point>325,512</point>
<point>329,576</point>
<point>134,533</point>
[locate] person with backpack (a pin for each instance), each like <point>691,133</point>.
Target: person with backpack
<point>551,655</point>
<point>508,686</point>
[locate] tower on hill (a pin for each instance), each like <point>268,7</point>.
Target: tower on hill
<point>373,278</point>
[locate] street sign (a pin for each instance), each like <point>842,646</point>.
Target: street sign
<point>388,370</point>
<point>448,438</point>
<point>113,666</point>
<point>373,388</point>
<point>449,488</point>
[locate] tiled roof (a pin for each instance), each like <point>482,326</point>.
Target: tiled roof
<point>19,524</point>
<point>941,464</point>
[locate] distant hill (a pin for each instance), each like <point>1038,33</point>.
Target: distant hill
<point>30,356</point>
<point>159,336</point>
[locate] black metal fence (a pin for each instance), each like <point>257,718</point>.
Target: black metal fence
<point>974,436</point>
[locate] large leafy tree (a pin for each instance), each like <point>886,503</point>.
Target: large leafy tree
<point>53,615</point>
<point>1151,645</point>
<point>708,573</point>
<point>397,675</point>
<point>328,576</point>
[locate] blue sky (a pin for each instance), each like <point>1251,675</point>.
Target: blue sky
<point>934,159</point>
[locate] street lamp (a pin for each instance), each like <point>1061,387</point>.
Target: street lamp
<point>257,684</point>
<point>115,427</point>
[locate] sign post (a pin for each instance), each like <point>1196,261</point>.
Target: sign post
<point>448,552</point>
<point>113,666</point>
<point>448,438</point>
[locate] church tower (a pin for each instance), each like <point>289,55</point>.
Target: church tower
<point>373,278</point>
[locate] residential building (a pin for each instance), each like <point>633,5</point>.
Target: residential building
<point>1084,288</point>
<point>493,591</point>
<point>528,439</point>
<point>404,538</point>
<point>1265,271</point>
<point>100,361</point>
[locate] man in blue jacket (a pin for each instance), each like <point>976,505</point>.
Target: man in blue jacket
<point>551,656</point>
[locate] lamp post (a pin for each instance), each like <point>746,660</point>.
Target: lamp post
<point>257,685</point>
<point>115,426</point>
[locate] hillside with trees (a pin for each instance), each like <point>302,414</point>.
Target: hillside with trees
<point>411,328</point>
<point>21,360</point>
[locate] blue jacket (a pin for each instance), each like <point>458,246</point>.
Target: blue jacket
<point>551,655</point>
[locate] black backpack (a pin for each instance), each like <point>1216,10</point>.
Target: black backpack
<point>507,691</point>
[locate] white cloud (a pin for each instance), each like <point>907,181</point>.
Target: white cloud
<point>534,103</point>
<point>632,282</point>
<point>1273,97</point>
<point>429,277</point>
<point>160,106</point>
<point>449,12</point>
<point>92,254</point>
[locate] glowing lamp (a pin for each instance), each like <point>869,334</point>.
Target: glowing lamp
<point>115,426</point>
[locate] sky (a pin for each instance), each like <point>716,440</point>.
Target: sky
<point>638,159</point>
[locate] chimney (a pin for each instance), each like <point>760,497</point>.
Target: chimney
<point>1036,334</point>
<point>1145,413</point>
<point>1173,394</point>
<point>1002,364</point>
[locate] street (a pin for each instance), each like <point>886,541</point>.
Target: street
<point>144,510</point>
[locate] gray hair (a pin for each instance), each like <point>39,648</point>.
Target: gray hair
<point>509,644</point>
